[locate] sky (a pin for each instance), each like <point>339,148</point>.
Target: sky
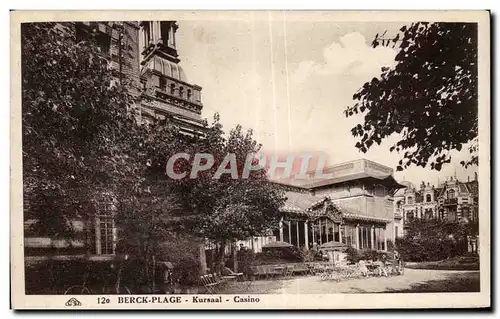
<point>290,81</point>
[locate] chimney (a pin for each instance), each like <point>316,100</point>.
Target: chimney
<point>468,178</point>
<point>475,176</point>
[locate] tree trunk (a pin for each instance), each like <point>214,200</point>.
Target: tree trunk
<point>203,260</point>
<point>235,256</point>
<point>219,258</point>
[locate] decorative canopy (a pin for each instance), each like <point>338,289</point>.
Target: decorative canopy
<point>312,207</point>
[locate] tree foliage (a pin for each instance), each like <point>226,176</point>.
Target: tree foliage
<point>433,239</point>
<point>228,208</point>
<point>429,96</point>
<point>78,132</point>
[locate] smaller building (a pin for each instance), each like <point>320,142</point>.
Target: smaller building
<point>452,201</point>
<point>458,201</point>
<point>419,203</point>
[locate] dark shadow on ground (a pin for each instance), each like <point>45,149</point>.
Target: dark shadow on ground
<point>459,282</point>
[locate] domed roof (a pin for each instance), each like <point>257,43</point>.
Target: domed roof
<point>166,67</point>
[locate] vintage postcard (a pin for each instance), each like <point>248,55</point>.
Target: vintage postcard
<point>250,160</point>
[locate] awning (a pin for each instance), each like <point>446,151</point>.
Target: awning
<point>333,245</point>
<point>277,244</point>
<point>352,216</point>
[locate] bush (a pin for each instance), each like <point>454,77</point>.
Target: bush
<point>279,255</point>
<point>183,252</point>
<point>373,255</point>
<point>311,255</point>
<point>353,255</point>
<point>55,276</point>
<point>432,240</point>
<point>187,271</point>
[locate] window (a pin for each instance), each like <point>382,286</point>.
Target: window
<point>349,235</point>
<point>189,95</point>
<point>106,229</point>
<point>181,91</point>
<point>91,34</point>
<point>103,234</point>
<point>103,42</point>
<point>364,238</point>
<point>163,83</point>
<point>379,191</point>
<point>409,200</point>
<point>172,88</point>
<point>165,31</point>
<point>451,194</point>
<point>379,238</point>
<point>428,213</point>
<point>428,198</point>
<point>147,33</point>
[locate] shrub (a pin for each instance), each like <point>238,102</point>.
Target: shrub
<point>187,271</point>
<point>373,255</point>
<point>431,240</point>
<point>183,252</point>
<point>288,253</point>
<point>353,255</point>
<point>311,255</point>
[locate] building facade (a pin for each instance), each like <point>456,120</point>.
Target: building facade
<point>452,201</point>
<point>166,91</point>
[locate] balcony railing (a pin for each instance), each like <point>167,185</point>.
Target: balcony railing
<point>450,201</point>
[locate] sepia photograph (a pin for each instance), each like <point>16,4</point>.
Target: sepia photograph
<point>204,159</point>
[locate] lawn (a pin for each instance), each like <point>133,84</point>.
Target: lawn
<point>456,263</point>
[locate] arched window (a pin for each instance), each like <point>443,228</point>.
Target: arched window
<point>409,200</point>
<point>398,204</point>
<point>181,91</point>
<point>172,88</point>
<point>189,95</point>
<point>451,194</point>
<point>428,198</point>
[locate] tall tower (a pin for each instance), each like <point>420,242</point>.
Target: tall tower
<point>165,85</point>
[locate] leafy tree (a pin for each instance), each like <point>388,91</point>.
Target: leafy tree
<point>79,131</point>
<point>430,96</point>
<point>222,209</point>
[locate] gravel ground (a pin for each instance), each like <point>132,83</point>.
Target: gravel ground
<point>413,280</point>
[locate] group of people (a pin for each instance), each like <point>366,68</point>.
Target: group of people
<point>381,265</point>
